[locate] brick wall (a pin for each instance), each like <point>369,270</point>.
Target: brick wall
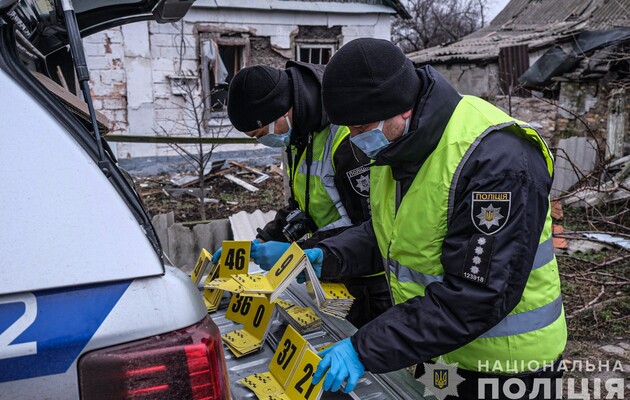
<point>107,76</point>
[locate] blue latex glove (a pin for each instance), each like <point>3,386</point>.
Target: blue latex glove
<point>316,257</point>
<point>342,363</point>
<point>266,254</point>
<point>217,254</point>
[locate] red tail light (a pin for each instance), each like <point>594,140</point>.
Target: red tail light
<point>184,364</point>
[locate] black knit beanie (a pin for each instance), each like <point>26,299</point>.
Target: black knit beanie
<point>368,80</point>
<point>257,96</point>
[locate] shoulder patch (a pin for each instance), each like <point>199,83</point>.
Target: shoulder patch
<point>490,211</point>
<point>360,180</point>
<point>478,256</point>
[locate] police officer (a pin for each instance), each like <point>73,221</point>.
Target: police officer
<point>329,182</point>
<point>460,217</point>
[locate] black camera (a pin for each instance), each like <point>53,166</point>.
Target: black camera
<point>296,227</point>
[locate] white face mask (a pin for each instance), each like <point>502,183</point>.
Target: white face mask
<point>273,139</point>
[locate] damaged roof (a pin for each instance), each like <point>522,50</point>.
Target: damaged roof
<point>535,23</point>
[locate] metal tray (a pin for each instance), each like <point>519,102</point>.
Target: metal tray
<point>393,385</point>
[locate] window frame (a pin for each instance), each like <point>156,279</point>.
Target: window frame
<point>221,40</point>
<point>314,44</point>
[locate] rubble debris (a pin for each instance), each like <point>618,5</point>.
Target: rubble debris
<point>604,237</point>
<point>241,182</point>
<point>615,190</point>
<point>194,192</point>
<point>559,242</point>
<point>261,175</point>
<point>556,210</point>
<point>185,180</point>
<point>277,170</point>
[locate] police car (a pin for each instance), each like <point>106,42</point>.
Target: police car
<point>88,309</point>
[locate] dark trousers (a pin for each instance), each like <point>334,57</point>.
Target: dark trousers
<point>469,389</point>
<point>372,298</point>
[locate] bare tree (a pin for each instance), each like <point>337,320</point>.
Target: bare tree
<point>192,122</point>
<point>196,117</point>
<point>435,22</point>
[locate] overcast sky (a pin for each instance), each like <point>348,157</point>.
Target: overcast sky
<point>494,6</point>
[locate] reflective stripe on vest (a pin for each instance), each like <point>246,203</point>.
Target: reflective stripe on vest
<point>404,274</point>
<point>325,170</point>
<point>544,254</point>
<point>527,321</point>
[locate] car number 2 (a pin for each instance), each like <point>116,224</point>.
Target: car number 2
<point>8,350</point>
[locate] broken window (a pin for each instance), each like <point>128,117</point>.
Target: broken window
<point>221,59</point>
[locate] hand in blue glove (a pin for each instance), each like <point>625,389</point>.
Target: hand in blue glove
<point>342,363</point>
<point>316,257</point>
<point>266,254</point>
<point>217,254</point>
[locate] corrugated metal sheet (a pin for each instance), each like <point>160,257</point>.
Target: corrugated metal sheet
<point>536,23</point>
<point>513,62</point>
<point>244,224</point>
<point>575,158</point>
<point>244,227</point>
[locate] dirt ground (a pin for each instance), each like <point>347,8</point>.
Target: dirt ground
<point>596,286</point>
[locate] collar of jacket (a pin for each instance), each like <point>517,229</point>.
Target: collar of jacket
<point>435,105</point>
<point>308,111</point>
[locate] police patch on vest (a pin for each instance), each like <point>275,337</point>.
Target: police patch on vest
<point>490,211</point>
<point>360,180</point>
<point>477,261</point>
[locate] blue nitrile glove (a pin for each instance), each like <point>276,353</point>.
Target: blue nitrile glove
<point>266,254</point>
<point>217,254</point>
<point>316,257</point>
<point>342,363</point>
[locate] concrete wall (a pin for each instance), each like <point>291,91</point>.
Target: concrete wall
<point>477,80</point>
<point>183,243</point>
<point>538,113</point>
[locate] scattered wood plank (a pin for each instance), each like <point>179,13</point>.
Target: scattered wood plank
<point>184,181</point>
<point>261,175</point>
<point>241,182</point>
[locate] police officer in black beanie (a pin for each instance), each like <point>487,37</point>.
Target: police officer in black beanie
<point>329,182</point>
<point>460,201</point>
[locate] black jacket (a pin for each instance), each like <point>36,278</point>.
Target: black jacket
<point>456,311</point>
<point>308,117</point>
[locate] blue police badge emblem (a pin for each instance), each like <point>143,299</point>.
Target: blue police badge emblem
<point>490,211</point>
<point>440,378</point>
<point>360,180</point>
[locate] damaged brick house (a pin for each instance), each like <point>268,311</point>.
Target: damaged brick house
<point>574,54</point>
<point>138,70</point>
